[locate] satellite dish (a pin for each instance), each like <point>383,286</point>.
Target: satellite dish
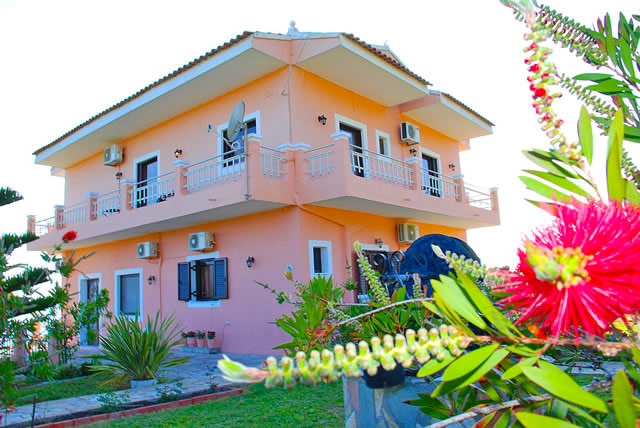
<point>236,121</point>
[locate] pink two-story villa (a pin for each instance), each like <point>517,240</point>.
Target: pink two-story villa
<point>343,143</point>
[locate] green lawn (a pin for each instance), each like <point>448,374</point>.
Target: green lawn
<point>71,388</point>
<point>303,407</point>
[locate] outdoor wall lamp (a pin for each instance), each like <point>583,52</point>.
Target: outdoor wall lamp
<point>118,175</point>
<point>151,279</point>
<point>322,119</point>
<point>413,151</point>
<point>250,261</point>
<point>452,166</point>
<point>178,153</point>
<point>379,242</point>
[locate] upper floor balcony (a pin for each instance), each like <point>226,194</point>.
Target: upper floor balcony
<point>259,179</point>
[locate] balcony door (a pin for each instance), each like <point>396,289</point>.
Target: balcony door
<point>431,183</point>
<point>357,152</point>
<point>146,189</point>
<point>89,335</point>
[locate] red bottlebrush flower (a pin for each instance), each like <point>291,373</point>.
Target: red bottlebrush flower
<point>540,92</point>
<point>581,272</point>
<point>69,236</point>
<point>534,68</point>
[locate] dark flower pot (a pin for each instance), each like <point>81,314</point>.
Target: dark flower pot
<point>385,378</point>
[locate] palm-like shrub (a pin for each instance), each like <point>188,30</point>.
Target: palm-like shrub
<point>131,351</point>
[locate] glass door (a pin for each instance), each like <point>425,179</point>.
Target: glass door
<point>147,192</point>
<point>431,176</point>
<point>90,334</point>
<point>357,152</point>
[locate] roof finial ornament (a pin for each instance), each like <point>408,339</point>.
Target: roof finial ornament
<point>292,29</point>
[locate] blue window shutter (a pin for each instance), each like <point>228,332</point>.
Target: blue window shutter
<point>221,279</point>
<point>184,282</point>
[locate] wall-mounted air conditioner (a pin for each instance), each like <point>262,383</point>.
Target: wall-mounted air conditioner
<point>409,133</point>
<point>113,155</point>
<point>201,241</point>
<point>147,250</point>
<point>408,232</point>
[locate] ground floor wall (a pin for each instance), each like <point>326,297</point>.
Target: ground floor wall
<point>245,321</point>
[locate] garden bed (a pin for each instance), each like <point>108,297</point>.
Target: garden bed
<point>66,388</point>
<point>134,408</point>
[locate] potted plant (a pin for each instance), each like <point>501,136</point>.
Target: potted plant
<point>202,342</point>
<point>184,337</point>
<point>211,337</point>
<point>191,338</point>
<point>131,351</point>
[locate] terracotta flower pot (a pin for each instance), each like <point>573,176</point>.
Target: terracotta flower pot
<point>211,343</point>
<point>202,343</point>
<point>191,341</point>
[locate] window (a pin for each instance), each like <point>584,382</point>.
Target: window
<point>129,292</point>
<point>431,175</point>
<point>203,280</point>
<point>231,149</point>
<point>89,287</point>
<point>147,171</point>
<point>320,258</point>
<point>383,143</point>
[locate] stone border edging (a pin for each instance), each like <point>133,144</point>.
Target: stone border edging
<point>143,410</point>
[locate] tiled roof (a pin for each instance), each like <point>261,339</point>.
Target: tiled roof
<point>457,101</point>
<point>386,57</point>
<point>208,55</point>
<point>147,88</point>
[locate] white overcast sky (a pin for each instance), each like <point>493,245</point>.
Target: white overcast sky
<point>63,61</point>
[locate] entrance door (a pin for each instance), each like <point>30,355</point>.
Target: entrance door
<point>147,192</point>
<point>89,293</point>
<point>431,176</point>
<point>355,144</point>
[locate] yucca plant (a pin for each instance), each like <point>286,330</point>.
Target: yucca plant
<point>137,353</point>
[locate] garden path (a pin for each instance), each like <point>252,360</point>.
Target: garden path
<point>196,376</point>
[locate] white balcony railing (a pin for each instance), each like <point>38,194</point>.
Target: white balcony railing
<point>153,190</point>
<point>320,162</point>
<point>272,162</point>
<point>107,204</point>
<point>222,168</point>
<point>477,197</point>
<point>373,165</point>
<point>44,226</point>
<point>73,214</point>
<point>442,186</point>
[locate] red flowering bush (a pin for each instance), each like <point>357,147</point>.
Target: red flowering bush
<point>69,236</point>
<point>581,272</point>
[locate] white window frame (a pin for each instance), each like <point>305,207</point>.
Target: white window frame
<point>437,157</point>
<point>145,158</point>
<point>82,280</point>
<point>194,302</point>
<point>116,284</point>
<point>387,145</point>
<point>224,126</point>
<point>320,244</point>
<point>365,139</point>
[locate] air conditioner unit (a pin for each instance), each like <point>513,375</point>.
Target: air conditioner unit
<point>409,133</point>
<point>408,232</point>
<point>147,250</point>
<point>201,241</point>
<point>113,155</point>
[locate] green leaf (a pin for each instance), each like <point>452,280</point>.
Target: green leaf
<point>623,401</point>
<point>516,370</point>
<point>577,410</point>
<point>544,190</point>
<point>625,55</point>
<point>632,133</point>
<point>546,161</point>
<point>483,369</point>
<point>485,306</point>
<point>560,182</point>
<point>531,420</point>
<point>434,366</point>
<point>614,157</point>
<point>631,193</point>
<point>558,409</point>
<point>503,422</point>
<point>450,291</point>
<point>594,77</point>
<point>560,384</point>
<point>586,134</point>
<point>631,370</point>
<point>636,354</point>
<point>468,362</point>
